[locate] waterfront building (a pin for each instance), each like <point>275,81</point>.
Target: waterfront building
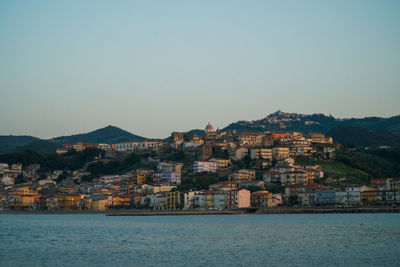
<point>238,198</point>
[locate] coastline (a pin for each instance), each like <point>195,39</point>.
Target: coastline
<point>250,211</point>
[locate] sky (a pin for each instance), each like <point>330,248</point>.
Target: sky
<point>154,67</point>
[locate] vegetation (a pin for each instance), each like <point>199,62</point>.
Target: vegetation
<point>9,142</point>
<point>360,137</point>
<point>109,134</point>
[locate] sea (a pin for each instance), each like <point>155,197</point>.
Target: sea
<point>203,240</point>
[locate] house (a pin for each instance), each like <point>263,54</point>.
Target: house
<point>238,198</point>
<point>204,166</point>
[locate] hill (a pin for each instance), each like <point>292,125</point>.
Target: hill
<point>10,142</point>
<point>357,136</point>
<point>109,134</point>
<point>40,146</point>
<point>378,130</point>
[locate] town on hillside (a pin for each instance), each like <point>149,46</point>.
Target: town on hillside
<point>215,171</point>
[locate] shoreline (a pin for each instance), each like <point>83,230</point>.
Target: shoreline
<point>249,211</point>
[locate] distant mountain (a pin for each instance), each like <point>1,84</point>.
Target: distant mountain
<point>9,142</point>
<point>283,122</point>
<point>109,134</point>
<point>357,136</point>
<point>40,146</point>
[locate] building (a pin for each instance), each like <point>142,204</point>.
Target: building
<point>126,146</point>
<point>321,138</point>
<point>244,175</point>
<point>280,152</point>
<point>209,128</point>
<point>152,145</point>
<point>174,200</point>
<point>167,177</point>
<point>107,179</point>
<point>369,197</point>
<point>168,166</point>
<point>239,154</point>
<point>69,201</point>
<point>221,163</point>
<point>204,166</point>
<point>325,197</point>
<point>99,202</point>
<point>353,196</point>
<point>261,153</point>
<point>238,198</point>
<point>224,186</point>
<point>105,147</point>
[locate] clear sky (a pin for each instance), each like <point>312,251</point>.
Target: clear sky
<point>153,67</point>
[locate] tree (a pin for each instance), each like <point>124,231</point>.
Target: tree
<point>293,201</point>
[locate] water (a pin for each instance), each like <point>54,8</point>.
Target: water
<point>244,240</point>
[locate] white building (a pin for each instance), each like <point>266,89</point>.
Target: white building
<point>126,146</point>
<point>204,166</point>
<point>353,196</point>
<point>107,179</point>
<point>341,198</point>
<point>150,145</point>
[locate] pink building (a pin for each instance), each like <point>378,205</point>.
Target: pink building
<point>238,198</point>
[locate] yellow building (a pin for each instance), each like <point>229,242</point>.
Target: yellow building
<point>280,152</point>
<point>173,200</point>
<point>208,200</point>
<point>140,178</point>
<point>369,198</point>
<point>24,197</point>
<point>69,202</point>
<point>99,202</point>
